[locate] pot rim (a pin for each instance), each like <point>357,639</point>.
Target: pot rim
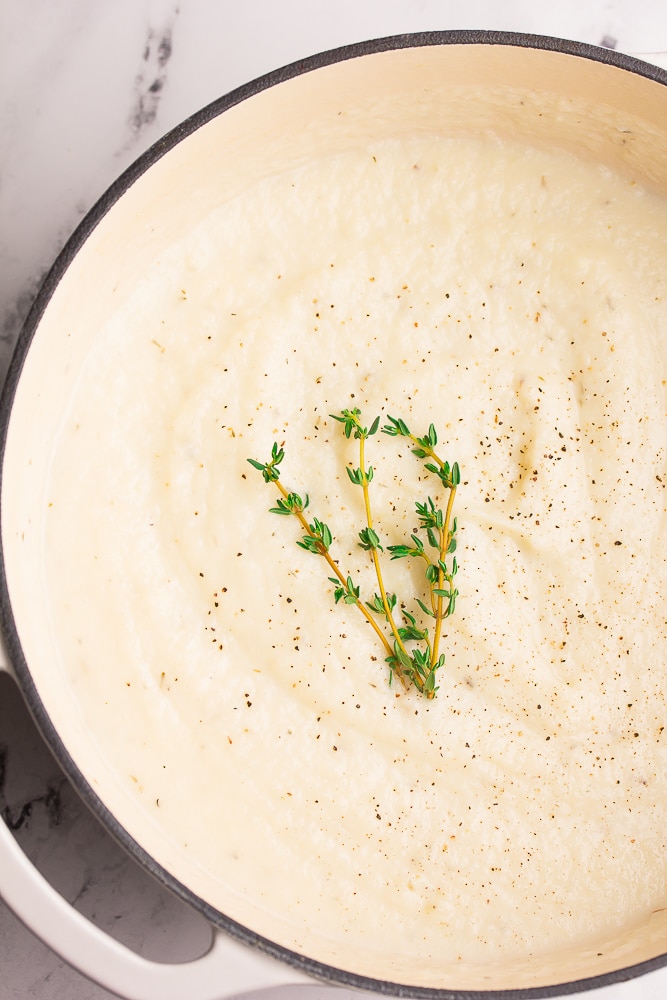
<point>8,629</point>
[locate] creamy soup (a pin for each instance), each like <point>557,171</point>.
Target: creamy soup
<point>514,298</point>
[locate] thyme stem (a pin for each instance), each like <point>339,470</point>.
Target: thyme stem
<point>376,559</point>
<point>445,539</point>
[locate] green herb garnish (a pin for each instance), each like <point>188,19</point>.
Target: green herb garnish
<point>413,651</point>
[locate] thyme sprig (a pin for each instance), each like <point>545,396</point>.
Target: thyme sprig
<point>440,531</point>
<point>412,650</point>
<point>317,537</point>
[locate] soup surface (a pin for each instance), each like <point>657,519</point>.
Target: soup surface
<point>516,300</point>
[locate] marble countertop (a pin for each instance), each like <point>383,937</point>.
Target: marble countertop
<point>86,87</point>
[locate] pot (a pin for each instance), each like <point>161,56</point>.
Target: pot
<point>546,93</point>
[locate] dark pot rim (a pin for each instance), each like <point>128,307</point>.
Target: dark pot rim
<point>311,967</point>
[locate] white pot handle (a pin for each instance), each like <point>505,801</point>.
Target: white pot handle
<point>228,968</point>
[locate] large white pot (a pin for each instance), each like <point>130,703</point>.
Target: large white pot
<point>541,91</point>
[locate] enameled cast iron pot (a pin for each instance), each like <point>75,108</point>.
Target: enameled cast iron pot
<point>558,94</point>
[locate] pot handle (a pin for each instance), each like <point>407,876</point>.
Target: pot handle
<point>228,968</point>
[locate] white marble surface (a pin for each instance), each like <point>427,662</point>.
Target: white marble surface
<point>85,87</point>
